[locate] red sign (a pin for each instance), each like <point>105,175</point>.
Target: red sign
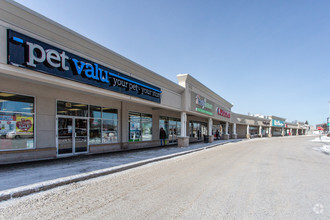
<point>223,113</point>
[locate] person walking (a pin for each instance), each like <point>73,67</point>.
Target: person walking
<point>162,136</point>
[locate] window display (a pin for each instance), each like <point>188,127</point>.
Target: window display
<point>172,127</point>
<point>198,129</point>
<point>103,125</point>
<point>109,131</point>
<point>103,122</point>
<point>146,127</point>
<point>253,130</point>
<point>140,127</point>
<point>16,121</point>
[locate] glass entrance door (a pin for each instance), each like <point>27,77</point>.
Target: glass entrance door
<point>72,135</point>
<point>80,140</point>
<point>64,136</point>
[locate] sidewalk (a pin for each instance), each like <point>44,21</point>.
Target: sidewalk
<point>21,179</point>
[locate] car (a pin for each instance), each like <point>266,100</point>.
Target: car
<point>14,134</point>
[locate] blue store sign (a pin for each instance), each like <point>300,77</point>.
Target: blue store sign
<point>27,52</point>
<point>277,123</point>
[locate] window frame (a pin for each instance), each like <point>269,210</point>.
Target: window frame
<point>89,118</point>
<point>34,121</point>
<point>141,115</point>
<point>102,119</point>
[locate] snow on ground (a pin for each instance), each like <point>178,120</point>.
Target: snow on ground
<point>326,149</point>
<point>322,139</point>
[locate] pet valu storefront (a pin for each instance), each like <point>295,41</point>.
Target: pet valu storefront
<point>62,94</point>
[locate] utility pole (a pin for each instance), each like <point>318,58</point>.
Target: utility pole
<point>328,119</point>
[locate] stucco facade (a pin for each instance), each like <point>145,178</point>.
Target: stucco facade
<point>47,112</point>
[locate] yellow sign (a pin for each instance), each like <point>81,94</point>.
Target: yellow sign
<point>24,124</point>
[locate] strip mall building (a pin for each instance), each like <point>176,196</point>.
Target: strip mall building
<point>62,94</point>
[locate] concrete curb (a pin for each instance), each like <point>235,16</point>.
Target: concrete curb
<point>50,184</point>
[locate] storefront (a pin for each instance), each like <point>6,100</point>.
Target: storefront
<point>197,130</point>
<point>63,95</point>
<point>218,130</point>
<point>254,131</point>
<point>249,126</point>
<point>172,127</point>
<point>278,125</point>
<point>207,112</point>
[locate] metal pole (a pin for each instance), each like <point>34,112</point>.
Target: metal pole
<point>328,121</point>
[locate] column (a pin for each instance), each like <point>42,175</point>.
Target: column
<point>210,127</point>
<point>260,128</point>
<point>183,140</point>
<point>270,132</point>
<point>282,131</point>
<point>290,131</point>
<point>248,131</point>
<point>183,124</point>
<point>234,135</point>
<point>226,135</point>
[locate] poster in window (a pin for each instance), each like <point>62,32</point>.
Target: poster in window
<point>24,125</point>
<point>7,124</point>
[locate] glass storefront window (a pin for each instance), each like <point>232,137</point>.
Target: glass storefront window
<point>72,109</point>
<point>276,131</point>
<point>178,126</point>
<point>94,111</point>
<point>103,125</point>
<point>140,127</point>
<point>108,113</point>
<point>16,121</point>
<point>163,123</point>
<point>172,127</point>
<point>134,127</point>
<point>95,132</point>
<point>146,127</point>
<point>109,131</point>
<point>253,130</point>
<point>197,129</point>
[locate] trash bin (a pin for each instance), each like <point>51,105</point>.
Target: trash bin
<point>206,139</point>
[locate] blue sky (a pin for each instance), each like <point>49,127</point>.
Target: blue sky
<point>267,57</point>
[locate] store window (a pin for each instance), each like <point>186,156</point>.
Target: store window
<point>103,125</point>
<point>276,131</point>
<point>253,130</point>
<point>140,127</point>
<point>217,131</point>
<point>172,127</point>
<point>197,129</point>
<point>95,125</point>
<point>72,109</point>
<point>16,121</point>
